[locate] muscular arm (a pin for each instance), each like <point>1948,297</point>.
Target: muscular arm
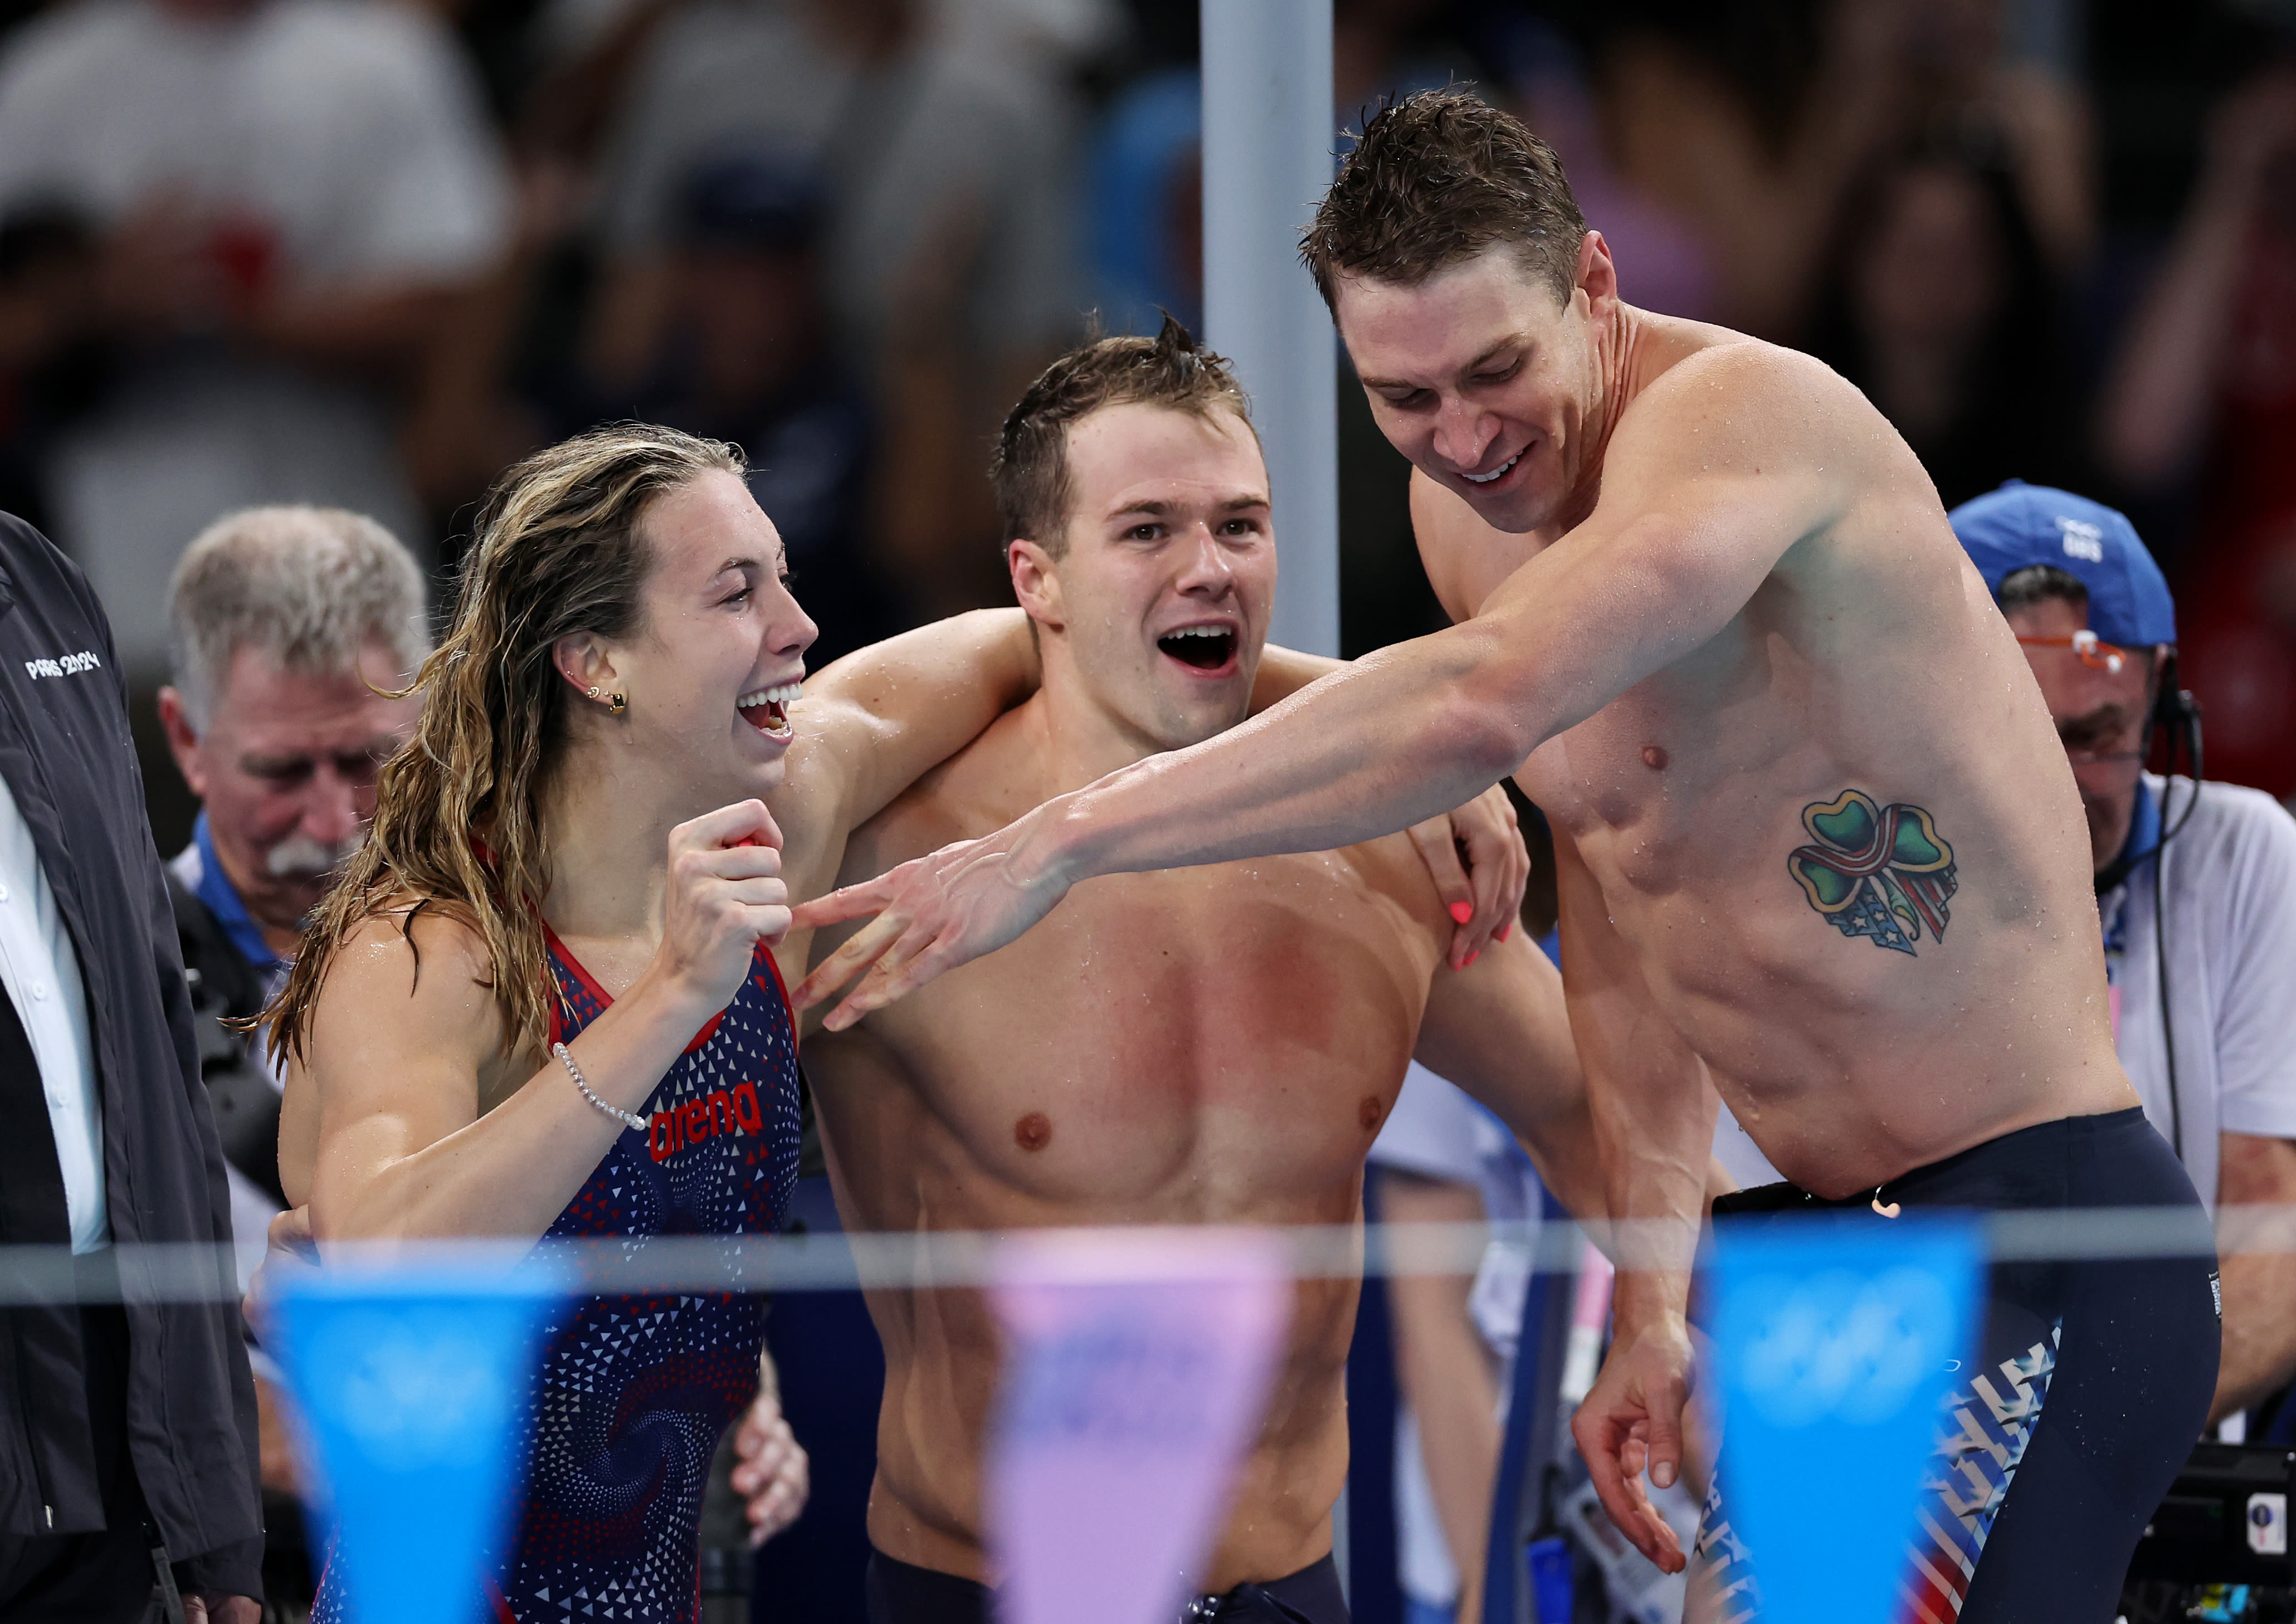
<point>1475,854</point>
<point>2259,1287</point>
<point>1653,1123</point>
<point>404,1053</point>
<point>1716,472</point>
<point>393,1070</point>
<point>1499,1030</point>
<point>876,721</point>
<point>1690,524</point>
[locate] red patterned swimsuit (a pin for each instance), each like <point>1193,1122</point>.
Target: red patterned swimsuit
<point>633,1392</point>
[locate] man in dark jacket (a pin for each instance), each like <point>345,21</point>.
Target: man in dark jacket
<point>128,1431</point>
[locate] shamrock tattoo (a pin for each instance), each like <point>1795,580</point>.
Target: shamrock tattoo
<point>1874,871</point>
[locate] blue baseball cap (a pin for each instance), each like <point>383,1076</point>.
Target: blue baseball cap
<point>2022,525</point>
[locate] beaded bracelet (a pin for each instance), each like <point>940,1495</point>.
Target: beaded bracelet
<point>575,1071</point>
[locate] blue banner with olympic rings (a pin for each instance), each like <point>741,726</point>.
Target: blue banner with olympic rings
<point>1836,1340</point>
<point>411,1383</point>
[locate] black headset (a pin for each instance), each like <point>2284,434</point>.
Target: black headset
<point>2177,714</point>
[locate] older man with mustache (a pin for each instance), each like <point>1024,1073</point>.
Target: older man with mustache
<point>290,626</point>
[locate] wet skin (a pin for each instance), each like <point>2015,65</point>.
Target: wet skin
<point>1205,1045</point>
<point>1698,550</point>
<point>1868,656</point>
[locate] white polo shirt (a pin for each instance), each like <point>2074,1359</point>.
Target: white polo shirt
<point>2230,885</point>
<point>40,970</point>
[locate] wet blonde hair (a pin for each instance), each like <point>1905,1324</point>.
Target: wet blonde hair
<point>556,551</point>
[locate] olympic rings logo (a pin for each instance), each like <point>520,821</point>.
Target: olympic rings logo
<point>1840,1346</point>
<point>419,1388</point>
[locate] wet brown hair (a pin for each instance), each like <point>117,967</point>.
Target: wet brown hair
<point>1437,178</point>
<point>557,550</point>
<point>1030,469</point>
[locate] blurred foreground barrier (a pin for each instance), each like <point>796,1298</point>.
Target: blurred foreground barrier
<point>1835,1342</point>
<point>1136,1373</point>
<point>411,1378</point>
<point>1139,1366</point>
<point>841,1262</point>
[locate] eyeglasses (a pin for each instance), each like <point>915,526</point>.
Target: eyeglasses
<point>2098,656</point>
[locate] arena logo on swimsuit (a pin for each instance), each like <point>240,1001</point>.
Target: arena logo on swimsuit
<point>705,1117</point>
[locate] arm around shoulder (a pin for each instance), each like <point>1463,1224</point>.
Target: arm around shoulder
<point>884,715</point>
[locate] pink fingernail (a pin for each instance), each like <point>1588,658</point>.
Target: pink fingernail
<point>1472,957</point>
<point>1462,911</point>
<point>1505,930</point>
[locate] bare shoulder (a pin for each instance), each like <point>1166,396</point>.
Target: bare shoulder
<point>984,786</point>
<point>409,978</point>
<point>1719,396</point>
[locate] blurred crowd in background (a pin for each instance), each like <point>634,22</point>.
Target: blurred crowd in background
<point>365,252</point>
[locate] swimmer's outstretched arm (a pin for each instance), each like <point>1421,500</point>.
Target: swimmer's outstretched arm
<point>1717,470</point>
<point>1475,853</point>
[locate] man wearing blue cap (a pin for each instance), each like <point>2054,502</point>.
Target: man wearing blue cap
<point>2196,887</point>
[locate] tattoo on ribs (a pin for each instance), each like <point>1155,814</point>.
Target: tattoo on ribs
<point>1874,871</point>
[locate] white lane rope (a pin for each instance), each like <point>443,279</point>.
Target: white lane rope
<point>694,1265</point>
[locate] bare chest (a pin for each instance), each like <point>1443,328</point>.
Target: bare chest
<point>1206,1043</point>
<point>1659,785</point>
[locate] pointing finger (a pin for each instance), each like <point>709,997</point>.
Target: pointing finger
<point>852,902</point>
<point>914,960</point>
<point>849,960</point>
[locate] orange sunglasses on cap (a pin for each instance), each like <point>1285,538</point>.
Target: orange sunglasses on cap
<point>2094,654</point>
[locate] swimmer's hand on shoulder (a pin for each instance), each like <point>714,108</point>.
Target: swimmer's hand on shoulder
<point>932,913</point>
<point>725,895</point>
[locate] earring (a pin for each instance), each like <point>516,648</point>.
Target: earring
<point>616,703</point>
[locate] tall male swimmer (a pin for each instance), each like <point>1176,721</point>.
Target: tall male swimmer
<point>1816,848</point>
<point>1208,1046</point>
